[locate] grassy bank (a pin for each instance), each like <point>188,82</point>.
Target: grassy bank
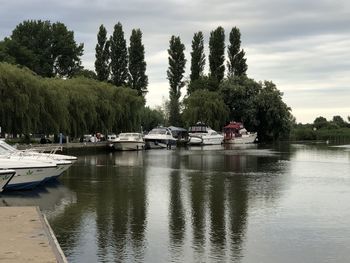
<point>338,135</point>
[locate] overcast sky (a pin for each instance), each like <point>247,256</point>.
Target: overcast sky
<point>301,45</point>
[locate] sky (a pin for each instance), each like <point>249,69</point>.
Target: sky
<point>303,46</point>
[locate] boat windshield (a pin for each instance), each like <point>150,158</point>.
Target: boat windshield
<point>158,131</point>
<point>127,135</point>
<point>198,129</point>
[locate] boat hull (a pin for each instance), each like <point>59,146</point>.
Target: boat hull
<point>5,178</point>
<point>159,143</point>
<point>241,140</point>
<point>128,146</point>
<point>205,140</point>
<point>28,178</point>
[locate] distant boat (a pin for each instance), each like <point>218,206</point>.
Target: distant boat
<point>235,132</point>
<point>202,134</point>
<point>129,142</point>
<point>180,134</point>
<point>159,137</point>
<point>5,178</point>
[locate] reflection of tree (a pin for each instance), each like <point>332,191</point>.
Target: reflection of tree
<point>176,211</point>
<point>217,214</point>
<point>238,207</point>
<point>116,196</point>
<point>197,188</point>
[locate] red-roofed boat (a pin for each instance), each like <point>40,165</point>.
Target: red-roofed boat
<point>235,132</point>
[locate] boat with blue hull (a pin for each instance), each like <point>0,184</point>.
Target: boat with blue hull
<point>160,137</point>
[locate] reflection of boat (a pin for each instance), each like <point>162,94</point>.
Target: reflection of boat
<point>5,178</point>
<point>160,137</point>
<point>129,141</point>
<point>201,134</point>
<point>235,132</point>
<point>51,199</point>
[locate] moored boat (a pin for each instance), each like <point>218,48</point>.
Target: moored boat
<point>235,132</point>
<point>202,134</point>
<point>29,173</point>
<point>5,178</point>
<point>159,137</point>
<point>129,142</point>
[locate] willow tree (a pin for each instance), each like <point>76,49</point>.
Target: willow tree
<point>119,56</point>
<point>237,63</point>
<point>138,79</point>
<point>197,56</point>
<point>175,75</point>
<point>217,54</point>
<point>102,55</point>
<point>206,106</point>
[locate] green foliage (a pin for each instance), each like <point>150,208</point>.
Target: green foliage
<point>237,64</point>
<point>274,120</point>
<point>258,105</point>
<point>119,57</point>
<point>206,106</point>
<point>138,79</point>
<point>217,53</point>
<point>31,104</point>
<point>339,121</point>
<point>102,55</point>
<point>151,118</point>
<point>47,49</point>
<point>86,73</point>
<point>175,73</point>
<point>204,82</point>
<point>197,57</point>
<point>320,122</point>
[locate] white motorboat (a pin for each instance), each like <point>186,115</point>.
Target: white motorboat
<point>5,178</point>
<point>160,137</point>
<point>35,152</point>
<point>235,133</point>
<point>29,173</point>
<point>129,141</point>
<point>202,134</point>
<point>62,162</point>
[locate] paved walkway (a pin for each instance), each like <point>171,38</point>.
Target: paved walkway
<point>25,236</point>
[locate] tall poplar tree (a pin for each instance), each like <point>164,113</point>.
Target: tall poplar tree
<point>102,55</point>
<point>175,75</point>
<point>237,64</point>
<point>217,54</point>
<point>197,56</point>
<point>119,56</point>
<point>138,79</point>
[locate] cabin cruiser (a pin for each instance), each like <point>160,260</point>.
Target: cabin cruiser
<point>235,132</point>
<point>202,134</point>
<point>62,162</point>
<point>129,141</point>
<point>29,173</point>
<point>5,178</point>
<point>159,137</point>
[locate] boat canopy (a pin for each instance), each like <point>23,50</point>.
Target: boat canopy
<point>234,126</point>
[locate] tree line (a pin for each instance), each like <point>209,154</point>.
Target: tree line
<point>216,99</point>
<point>49,50</point>
<point>33,104</point>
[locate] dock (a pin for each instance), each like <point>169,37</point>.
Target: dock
<point>26,236</point>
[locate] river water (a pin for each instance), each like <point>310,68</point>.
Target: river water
<point>255,203</point>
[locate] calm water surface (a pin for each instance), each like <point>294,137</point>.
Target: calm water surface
<point>284,203</point>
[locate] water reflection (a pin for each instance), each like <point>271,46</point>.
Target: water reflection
<point>51,199</point>
<point>180,205</point>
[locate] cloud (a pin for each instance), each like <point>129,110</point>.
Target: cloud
<point>302,46</point>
